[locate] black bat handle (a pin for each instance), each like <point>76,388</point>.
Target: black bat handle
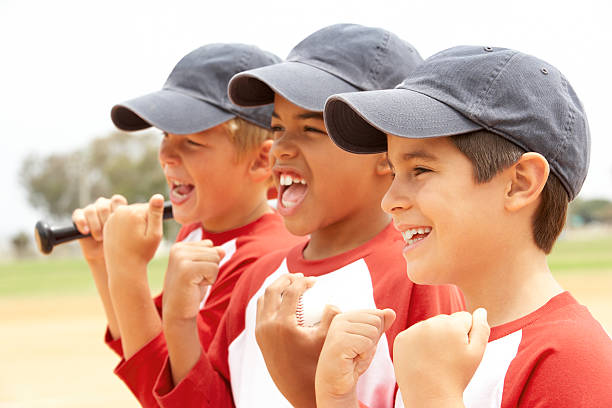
<point>47,237</point>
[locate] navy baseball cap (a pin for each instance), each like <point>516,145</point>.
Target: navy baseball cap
<point>194,97</point>
<point>463,89</point>
<point>335,59</point>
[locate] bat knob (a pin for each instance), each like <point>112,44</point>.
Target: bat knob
<point>44,237</point>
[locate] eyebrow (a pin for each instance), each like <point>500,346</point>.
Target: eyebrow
<point>310,115</point>
<point>419,154</point>
<point>305,115</point>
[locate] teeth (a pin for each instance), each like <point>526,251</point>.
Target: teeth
<point>176,183</point>
<point>287,180</point>
<point>408,234</point>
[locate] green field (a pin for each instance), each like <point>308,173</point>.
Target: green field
<point>68,276</point>
<point>59,276</point>
<point>592,255</point>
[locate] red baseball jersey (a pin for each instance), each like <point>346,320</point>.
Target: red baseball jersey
<point>242,247</point>
<point>370,276</point>
<point>558,356</point>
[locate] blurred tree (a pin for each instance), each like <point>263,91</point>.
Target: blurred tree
<point>21,244</point>
<point>590,211</point>
<point>118,163</point>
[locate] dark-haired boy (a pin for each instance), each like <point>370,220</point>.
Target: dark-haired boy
<point>488,146</point>
<point>260,348</point>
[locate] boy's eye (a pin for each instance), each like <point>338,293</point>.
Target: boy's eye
<point>420,170</point>
<point>314,130</point>
<point>194,143</point>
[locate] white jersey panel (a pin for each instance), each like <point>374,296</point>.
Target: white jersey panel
<point>348,288</point>
<point>252,386</point>
<point>487,385</point>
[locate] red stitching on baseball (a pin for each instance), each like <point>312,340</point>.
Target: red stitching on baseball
<point>299,312</point>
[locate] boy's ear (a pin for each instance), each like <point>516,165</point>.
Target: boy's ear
<point>382,165</point>
<point>527,178</point>
<point>260,168</point>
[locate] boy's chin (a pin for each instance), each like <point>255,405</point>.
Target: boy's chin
<point>422,276</point>
<point>183,216</point>
<point>182,219</point>
<point>297,227</point>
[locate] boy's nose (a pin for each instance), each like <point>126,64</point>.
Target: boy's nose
<point>283,148</point>
<point>394,200</point>
<point>167,153</point>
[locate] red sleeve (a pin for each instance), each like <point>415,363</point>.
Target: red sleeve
<point>140,371</point>
<point>569,369</point>
<point>115,344</point>
<point>204,385</point>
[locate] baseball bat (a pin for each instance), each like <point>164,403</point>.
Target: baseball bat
<point>47,237</point>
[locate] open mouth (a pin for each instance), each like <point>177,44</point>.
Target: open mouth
<point>413,235</point>
<point>291,191</point>
<point>180,191</point>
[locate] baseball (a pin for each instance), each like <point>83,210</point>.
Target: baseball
<point>311,306</point>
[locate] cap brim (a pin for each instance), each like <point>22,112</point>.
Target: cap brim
<point>359,122</point>
<point>170,111</point>
<point>301,84</point>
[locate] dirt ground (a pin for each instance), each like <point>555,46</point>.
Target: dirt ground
<point>52,354</point>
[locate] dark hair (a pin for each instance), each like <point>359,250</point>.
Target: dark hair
<point>490,154</point>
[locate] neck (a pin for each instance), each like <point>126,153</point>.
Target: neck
<point>244,211</point>
<point>513,287</point>
<point>346,234</point>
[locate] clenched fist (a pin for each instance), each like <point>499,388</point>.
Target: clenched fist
<point>192,267</point>
<point>435,359</point>
<point>347,353</point>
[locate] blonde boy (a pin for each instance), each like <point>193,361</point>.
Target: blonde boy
<point>215,159</point>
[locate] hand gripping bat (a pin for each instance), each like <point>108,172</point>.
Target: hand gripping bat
<point>47,237</point>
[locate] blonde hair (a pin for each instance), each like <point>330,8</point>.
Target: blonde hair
<point>246,136</point>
